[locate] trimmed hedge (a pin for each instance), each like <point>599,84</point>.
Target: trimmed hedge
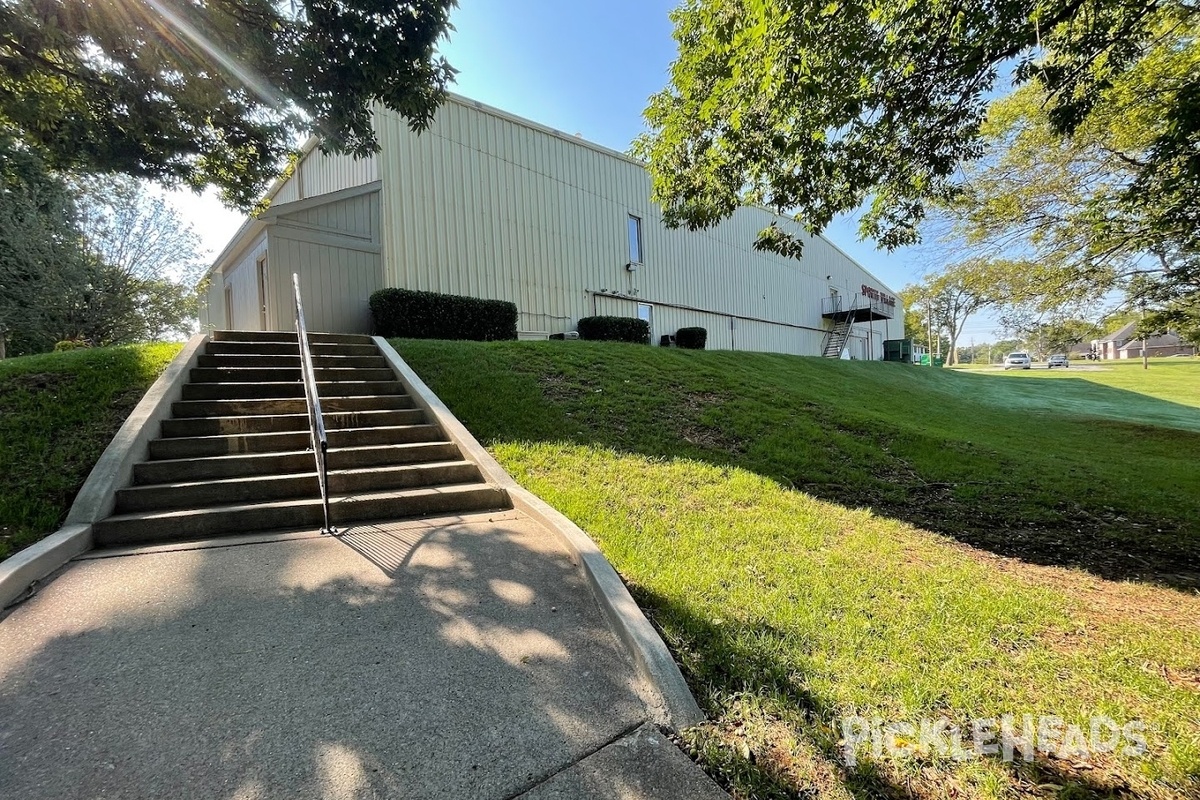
<point>691,338</point>
<point>429,315</point>
<point>614,329</point>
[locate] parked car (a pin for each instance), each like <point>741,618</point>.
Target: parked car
<point>1018,361</point>
<point>1057,360</point>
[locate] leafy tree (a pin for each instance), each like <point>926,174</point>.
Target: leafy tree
<point>815,107</point>
<point>213,92</point>
<point>95,260</point>
<point>41,258</point>
<point>950,296</point>
<point>1172,304</point>
<point>1047,333</point>
<point>136,231</point>
<point>1080,206</point>
<point>145,263</point>
<point>1060,336</point>
<point>914,318</point>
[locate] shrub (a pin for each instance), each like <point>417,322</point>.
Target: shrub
<point>691,338</point>
<point>614,329</point>
<point>70,344</point>
<point>429,315</point>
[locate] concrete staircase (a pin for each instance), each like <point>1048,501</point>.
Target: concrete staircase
<point>235,456</point>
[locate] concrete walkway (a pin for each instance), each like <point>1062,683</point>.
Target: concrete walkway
<point>464,659</point>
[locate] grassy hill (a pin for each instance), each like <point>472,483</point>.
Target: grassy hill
<point>57,414</point>
<point>818,539</point>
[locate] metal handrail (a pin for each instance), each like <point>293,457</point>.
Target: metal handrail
<point>836,304</point>
<point>316,420</point>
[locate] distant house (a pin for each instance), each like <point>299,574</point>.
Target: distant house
<point>1121,344</point>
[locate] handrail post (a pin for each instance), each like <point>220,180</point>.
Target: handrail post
<point>316,419</point>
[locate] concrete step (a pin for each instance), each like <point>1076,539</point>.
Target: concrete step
<point>287,405</point>
<point>339,338</point>
<point>253,336</point>
<point>326,391</point>
<point>244,465</point>
<point>277,423</point>
<point>289,349</point>
<point>227,491</point>
<point>158,526</point>
<point>289,336</point>
<point>287,374</point>
<point>206,446</point>
<point>233,360</point>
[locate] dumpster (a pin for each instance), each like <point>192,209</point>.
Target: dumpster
<point>898,350</point>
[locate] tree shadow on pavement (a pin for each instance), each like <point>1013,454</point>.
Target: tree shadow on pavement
<point>468,661</point>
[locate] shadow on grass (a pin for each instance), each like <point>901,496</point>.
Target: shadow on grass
<point>748,656</point>
<point>962,455</point>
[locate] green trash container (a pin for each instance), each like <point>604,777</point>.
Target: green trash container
<point>939,362</point>
<point>924,362</point>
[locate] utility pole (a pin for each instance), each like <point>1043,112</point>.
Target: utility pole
<point>1145,353</point>
<point>929,333</point>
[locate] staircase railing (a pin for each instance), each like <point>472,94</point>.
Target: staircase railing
<point>316,420</point>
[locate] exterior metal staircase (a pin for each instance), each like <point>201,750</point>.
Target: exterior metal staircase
<point>869,306</point>
<point>835,340</point>
<point>236,456</point>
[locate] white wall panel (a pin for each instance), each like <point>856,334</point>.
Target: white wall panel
<point>242,281</point>
<point>334,248</point>
<point>318,173</point>
<point>335,283</point>
<point>486,205</point>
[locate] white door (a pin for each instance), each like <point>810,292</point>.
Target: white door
<point>646,312</point>
<point>262,293</point>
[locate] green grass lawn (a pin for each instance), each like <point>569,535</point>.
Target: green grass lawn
<point>1137,397</point>
<point>817,539</point>
<point>57,414</point>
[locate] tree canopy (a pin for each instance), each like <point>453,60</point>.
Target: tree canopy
<point>94,261</point>
<point>946,298</point>
<point>213,92</point>
<point>817,107</point>
<point>1082,209</point>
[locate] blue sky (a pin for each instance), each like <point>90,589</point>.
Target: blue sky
<point>585,67</point>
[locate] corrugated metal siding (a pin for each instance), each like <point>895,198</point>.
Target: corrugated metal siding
<point>334,248</point>
<point>484,205</point>
<point>318,174</point>
<point>334,282</point>
<point>357,216</point>
<point>242,279</point>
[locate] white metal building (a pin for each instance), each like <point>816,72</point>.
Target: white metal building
<point>489,205</point>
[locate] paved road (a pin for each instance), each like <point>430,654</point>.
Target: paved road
<point>460,660</point>
<point>1082,366</point>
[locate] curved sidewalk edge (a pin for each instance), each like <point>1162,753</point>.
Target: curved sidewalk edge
<point>666,693</point>
<point>20,573</point>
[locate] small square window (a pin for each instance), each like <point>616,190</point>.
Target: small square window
<point>635,239</point>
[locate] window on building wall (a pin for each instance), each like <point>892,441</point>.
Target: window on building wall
<point>635,239</point>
